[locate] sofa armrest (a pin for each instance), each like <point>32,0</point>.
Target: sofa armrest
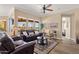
<point>27,48</point>
<point>4,52</point>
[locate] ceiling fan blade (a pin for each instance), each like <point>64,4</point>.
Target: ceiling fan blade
<point>49,9</point>
<point>49,5</point>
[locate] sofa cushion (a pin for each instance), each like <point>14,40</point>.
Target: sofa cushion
<point>2,34</point>
<point>31,34</point>
<point>7,43</point>
<point>15,38</point>
<point>36,32</point>
<point>25,33</point>
<point>19,42</point>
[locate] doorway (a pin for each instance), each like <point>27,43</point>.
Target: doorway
<point>66,27</point>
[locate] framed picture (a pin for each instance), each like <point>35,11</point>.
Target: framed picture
<point>54,25</point>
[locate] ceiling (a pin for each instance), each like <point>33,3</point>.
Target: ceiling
<point>36,9</point>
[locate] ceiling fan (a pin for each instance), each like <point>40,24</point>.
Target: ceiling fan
<point>46,8</point>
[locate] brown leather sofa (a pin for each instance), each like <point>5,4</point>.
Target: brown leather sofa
<point>28,37</point>
<point>7,47</point>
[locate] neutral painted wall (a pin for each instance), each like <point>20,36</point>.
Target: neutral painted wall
<point>57,18</point>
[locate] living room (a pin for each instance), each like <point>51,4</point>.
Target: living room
<point>33,29</point>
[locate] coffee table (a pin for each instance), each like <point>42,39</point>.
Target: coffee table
<point>45,49</point>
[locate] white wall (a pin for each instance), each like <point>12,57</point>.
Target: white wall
<point>5,10</point>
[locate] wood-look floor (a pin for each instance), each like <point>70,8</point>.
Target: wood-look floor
<point>64,48</point>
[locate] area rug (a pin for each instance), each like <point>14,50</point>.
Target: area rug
<point>39,49</point>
